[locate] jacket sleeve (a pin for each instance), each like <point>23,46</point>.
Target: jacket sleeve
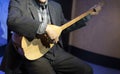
<point>77,25</point>
<point>20,23</point>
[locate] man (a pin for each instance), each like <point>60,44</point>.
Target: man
<point>30,18</point>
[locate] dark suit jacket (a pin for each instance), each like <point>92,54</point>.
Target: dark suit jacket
<point>23,19</point>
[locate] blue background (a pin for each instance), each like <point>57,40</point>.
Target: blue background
<point>3,17</point>
<point>3,26</point>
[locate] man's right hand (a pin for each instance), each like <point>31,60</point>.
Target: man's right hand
<point>51,36</point>
<point>53,32</point>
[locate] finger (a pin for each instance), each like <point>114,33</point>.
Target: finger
<point>56,40</point>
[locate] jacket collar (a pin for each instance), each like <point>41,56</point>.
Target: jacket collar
<point>34,12</point>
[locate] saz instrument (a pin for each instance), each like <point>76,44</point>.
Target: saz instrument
<point>34,49</point>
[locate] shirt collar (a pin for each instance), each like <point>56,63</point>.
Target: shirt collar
<point>43,5</point>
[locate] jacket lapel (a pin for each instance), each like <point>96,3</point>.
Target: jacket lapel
<point>33,10</point>
<point>51,12</point>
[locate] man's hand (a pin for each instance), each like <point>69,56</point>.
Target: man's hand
<point>53,32</point>
<point>51,36</point>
